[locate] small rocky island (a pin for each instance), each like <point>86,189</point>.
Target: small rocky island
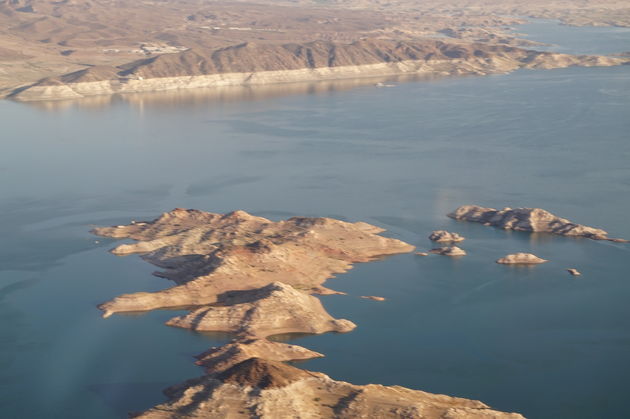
<point>254,278</point>
<point>529,219</point>
<point>443,236</point>
<point>448,251</point>
<point>521,259</point>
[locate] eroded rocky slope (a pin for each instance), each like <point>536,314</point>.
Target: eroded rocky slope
<point>258,388</point>
<point>210,254</point>
<point>219,359</point>
<point>271,310</point>
<point>264,63</point>
<point>47,38</point>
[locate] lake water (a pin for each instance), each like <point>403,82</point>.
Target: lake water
<point>536,341</point>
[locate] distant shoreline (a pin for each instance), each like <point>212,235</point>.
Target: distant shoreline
<point>456,67</point>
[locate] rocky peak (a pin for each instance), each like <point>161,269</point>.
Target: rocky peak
<point>263,374</point>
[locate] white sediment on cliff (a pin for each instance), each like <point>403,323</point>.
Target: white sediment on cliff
<point>284,64</point>
<point>121,85</point>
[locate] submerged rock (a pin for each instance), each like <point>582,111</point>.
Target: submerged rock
<point>422,254</point>
<point>373,297</point>
<point>449,251</point>
<point>521,259</point>
<point>443,236</point>
<point>528,219</point>
<point>258,388</point>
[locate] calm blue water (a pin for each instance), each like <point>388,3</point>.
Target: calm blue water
<point>576,40</point>
<point>536,341</point>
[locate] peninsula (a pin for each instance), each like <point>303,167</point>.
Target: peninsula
<point>258,388</point>
<point>254,278</point>
<point>252,63</point>
<point>209,254</point>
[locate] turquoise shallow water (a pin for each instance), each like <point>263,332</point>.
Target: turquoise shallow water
<point>533,340</point>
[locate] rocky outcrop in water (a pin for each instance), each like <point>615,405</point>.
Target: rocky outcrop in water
<point>258,388</point>
<point>252,277</point>
<point>272,310</point>
<point>521,259</point>
<point>373,297</point>
<point>210,254</point>
<point>448,251</point>
<point>443,236</point>
<point>528,219</point>
<point>574,272</point>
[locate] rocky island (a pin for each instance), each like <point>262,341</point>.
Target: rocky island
<point>521,259</point>
<point>254,278</point>
<point>443,236</point>
<point>448,251</point>
<point>208,255</point>
<point>534,220</point>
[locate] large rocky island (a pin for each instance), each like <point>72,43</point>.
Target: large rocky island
<point>254,278</point>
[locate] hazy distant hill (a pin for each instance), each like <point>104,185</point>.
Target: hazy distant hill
<point>93,40</point>
<point>253,57</point>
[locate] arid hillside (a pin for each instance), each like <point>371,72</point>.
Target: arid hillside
<point>44,38</point>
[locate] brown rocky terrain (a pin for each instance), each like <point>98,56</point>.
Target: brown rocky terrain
<point>528,219</point>
<point>443,236</point>
<point>521,259</point>
<point>258,388</point>
<point>47,38</point>
<point>448,251</point>
<point>252,277</point>
<point>219,359</point>
<point>569,12</point>
<point>274,309</point>
<point>209,254</point>
<point>260,63</point>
